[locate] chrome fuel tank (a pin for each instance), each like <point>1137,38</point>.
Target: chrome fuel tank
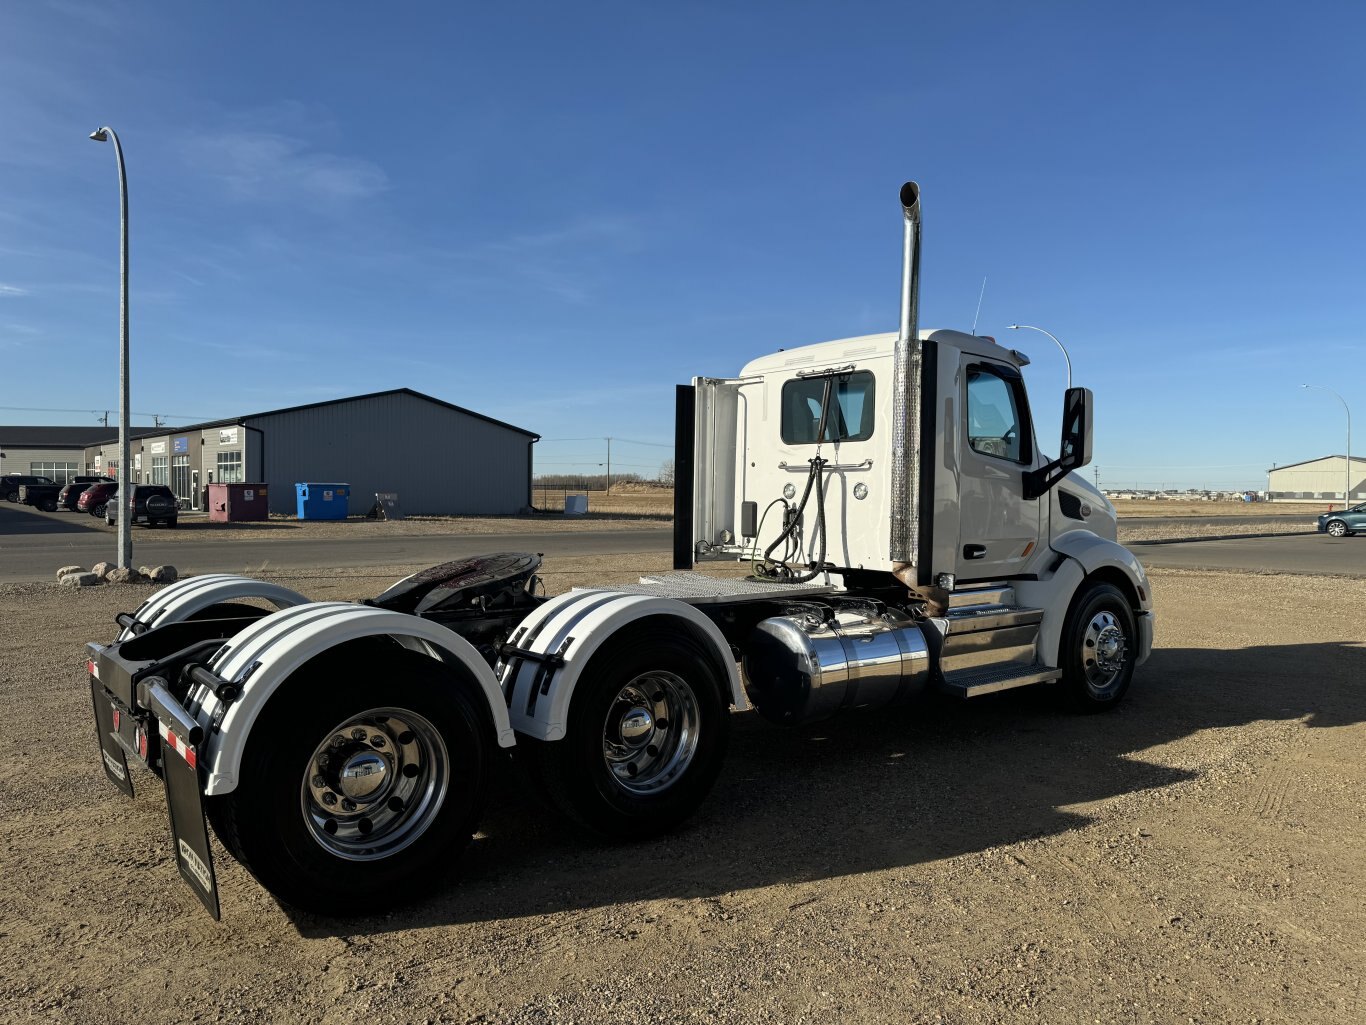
<point>803,667</point>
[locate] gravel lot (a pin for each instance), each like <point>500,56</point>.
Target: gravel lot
<point>1197,856</point>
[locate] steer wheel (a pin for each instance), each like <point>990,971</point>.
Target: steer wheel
<point>1099,648</point>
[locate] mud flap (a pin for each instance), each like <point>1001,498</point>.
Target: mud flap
<point>185,796</point>
<point>112,755</point>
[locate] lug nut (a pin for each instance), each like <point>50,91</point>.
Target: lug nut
<point>348,804</point>
<point>318,782</point>
<point>329,799</point>
<point>338,741</point>
<point>357,734</point>
<point>377,740</point>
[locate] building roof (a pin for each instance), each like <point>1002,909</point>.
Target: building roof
<point>52,437</point>
<point>162,432</point>
<point>1306,462</point>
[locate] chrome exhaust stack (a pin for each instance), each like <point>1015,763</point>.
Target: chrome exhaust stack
<point>906,394</point>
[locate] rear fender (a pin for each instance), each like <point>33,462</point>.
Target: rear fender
<point>261,658</point>
<point>184,598</point>
<point>568,630</point>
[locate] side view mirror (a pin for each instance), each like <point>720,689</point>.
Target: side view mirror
<point>1074,448</point>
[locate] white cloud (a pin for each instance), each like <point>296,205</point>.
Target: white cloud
<point>12,290</point>
<point>268,166</point>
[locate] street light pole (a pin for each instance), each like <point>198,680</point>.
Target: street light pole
<point>1347,489</point>
<point>1050,334</point>
<point>125,537</point>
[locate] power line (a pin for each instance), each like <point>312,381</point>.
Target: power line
<point>53,409</point>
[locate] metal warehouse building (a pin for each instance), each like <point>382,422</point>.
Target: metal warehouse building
<point>1315,479</point>
<point>439,458</point>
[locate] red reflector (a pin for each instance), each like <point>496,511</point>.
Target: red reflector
<point>118,718</point>
<point>90,667</point>
<point>190,758</point>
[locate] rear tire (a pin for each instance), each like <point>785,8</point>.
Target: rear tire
<point>1099,648</point>
<point>49,505</point>
<point>292,820</point>
<point>646,736</point>
<point>99,510</point>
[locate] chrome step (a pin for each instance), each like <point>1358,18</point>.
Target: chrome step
<point>1002,594</point>
<point>991,617</point>
<point>973,683</point>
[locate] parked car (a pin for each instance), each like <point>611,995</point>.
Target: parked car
<point>1344,523</point>
<point>148,503</point>
<point>68,496</point>
<point>95,498</point>
<point>10,484</point>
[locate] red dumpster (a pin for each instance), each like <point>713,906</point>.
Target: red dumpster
<point>237,503</point>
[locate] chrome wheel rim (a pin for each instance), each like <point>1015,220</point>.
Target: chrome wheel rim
<point>1103,650</point>
<point>375,784</point>
<point>1337,529</point>
<point>650,734</point>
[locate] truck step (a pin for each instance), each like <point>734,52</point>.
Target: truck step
<point>1000,594</point>
<point>973,683</point>
<point>973,618</point>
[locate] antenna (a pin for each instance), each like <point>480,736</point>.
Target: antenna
<point>980,296</point>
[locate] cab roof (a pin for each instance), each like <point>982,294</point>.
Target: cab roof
<point>845,350</point>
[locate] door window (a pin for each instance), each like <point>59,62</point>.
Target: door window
<point>997,420</point>
<point>180,477</point>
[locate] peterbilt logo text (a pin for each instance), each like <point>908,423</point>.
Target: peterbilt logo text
<point>114,766</point>
<point>196,866</point>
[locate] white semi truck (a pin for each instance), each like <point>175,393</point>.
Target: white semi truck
<point>901,529</point>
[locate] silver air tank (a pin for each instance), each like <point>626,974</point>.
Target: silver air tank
<point>811,663</point>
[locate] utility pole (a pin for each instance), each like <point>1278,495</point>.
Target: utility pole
<point>104,419</point>
<point>158,421</point>
<point>609,465</point>
<point>1097,476</point>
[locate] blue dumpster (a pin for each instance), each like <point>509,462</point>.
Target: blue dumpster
<point>322,501</point>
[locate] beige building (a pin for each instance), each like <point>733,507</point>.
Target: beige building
<point>1317,479</point>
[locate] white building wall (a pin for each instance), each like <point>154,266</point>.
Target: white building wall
<point>1318,479</point>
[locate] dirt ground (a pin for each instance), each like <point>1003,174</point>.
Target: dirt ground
<point>1198,855</point>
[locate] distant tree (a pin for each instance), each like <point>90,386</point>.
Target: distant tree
<point>666,473</point>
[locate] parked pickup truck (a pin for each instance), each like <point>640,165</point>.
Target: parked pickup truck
<point>45,494</point>
<point>10,484</point>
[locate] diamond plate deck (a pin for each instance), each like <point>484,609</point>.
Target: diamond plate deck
<point>696,589</point>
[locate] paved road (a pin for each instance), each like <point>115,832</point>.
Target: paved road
<point>34,544</point>
<point>1300,553</point>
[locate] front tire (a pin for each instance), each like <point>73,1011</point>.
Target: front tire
<point>1099,648</point>
<point>359,784</point>
<point>647,732</point>
<point>1337,528</point>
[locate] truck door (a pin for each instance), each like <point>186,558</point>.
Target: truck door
<point>998,528</point>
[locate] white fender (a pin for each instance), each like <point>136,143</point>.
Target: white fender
<point>263,656</point>
<point>1087,553</point>
<point>181,600</point>
<point>574,626</point>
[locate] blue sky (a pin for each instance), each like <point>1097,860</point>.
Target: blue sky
<point>552,213</point>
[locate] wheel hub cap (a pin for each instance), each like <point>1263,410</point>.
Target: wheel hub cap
<point>364,774</point>
<point>374,784</point>
<point>636,725</point>
<point>1104,650</point>
<point>650,734</point>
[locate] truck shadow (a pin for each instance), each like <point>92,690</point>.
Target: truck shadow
<point>870,792</point>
